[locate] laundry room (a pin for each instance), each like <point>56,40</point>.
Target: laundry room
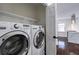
<point>24,24</point>
<point>39,29</point>
<point>27,29</point>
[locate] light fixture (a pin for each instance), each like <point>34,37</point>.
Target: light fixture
<point>73,19</point>
<point>73,22</point>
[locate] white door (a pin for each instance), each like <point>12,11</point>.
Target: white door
<point>50,30</point>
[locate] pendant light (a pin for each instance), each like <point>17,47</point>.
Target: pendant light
<point>73,22</point>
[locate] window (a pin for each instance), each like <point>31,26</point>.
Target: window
<point>61,27</point>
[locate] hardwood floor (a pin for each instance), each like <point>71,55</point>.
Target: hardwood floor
<point>61,51</point>
<point>73,48</point>
<point>69,49</point>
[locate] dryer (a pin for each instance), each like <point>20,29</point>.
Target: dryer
<point>14,39</point>
<point>38,40</point>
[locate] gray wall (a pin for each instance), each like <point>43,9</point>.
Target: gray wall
<point>42,15</point>
<point>34,11</point>
<point>28,10</point>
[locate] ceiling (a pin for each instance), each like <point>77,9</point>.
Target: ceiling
<point>67,9</point>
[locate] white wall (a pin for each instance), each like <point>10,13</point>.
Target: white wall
<point>64,13</point>
<point>67,23</point>
<point>65,10</point>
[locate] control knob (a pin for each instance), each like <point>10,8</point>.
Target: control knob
<point>16,26</point>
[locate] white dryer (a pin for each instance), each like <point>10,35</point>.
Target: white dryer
<point>38,40</point>
<point>14,39</point>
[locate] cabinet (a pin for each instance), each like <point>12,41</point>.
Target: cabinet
<point>73,37</point>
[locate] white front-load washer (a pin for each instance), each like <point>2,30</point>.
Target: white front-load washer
<point>38,40</point>
<point>14,39</point>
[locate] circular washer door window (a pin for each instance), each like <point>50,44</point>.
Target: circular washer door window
<point>38,39</point>
<point>14,45</point>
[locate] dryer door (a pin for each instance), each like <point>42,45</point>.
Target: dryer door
<point>38,39</point>
<point>14,43</point>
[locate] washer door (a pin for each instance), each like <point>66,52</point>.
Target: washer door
<point>38,39</point>
<point>14,43</point>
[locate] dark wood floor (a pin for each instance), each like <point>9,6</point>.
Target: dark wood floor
<point>69,49</point>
